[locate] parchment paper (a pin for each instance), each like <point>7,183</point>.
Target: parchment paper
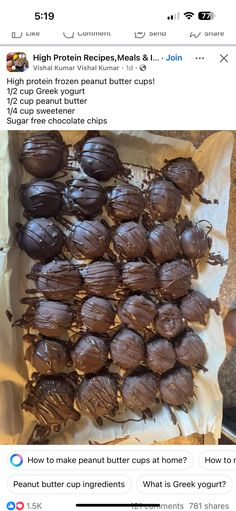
<point>205,413</point>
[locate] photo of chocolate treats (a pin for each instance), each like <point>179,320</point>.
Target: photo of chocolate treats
<point>160,355</point>
<point>177,386</point>
<point>164,199</point>
<point>97,395</point>
<point>174,279</point>
<point>57,280</point>
<point>89,354</point>
<point>51,401</point>
<point>97,314</point>
<point>51,319</point>
<point>195,243</point>
<point>139,391</point>
<point>40,238</point>
<point>196,306</point>
<point>137,312</point>
<point>169,321</point>
<point>139,276</point>
<point>111,292</point>
<point>127,348</point>
<point>190,349</point>
<point>163,243</point>
<point>44,154</point>
<point>48,356</point>
<point>99,158</point>
<point>83,197</point>
<point>130,240</point>
<point>184,173</point>
<point>125,202</point>
<point>41,198</point>
<point>101,278</point>
<point>88,239</point>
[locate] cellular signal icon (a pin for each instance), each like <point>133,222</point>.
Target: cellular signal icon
<point>175,16</point>
<point>189,15</point>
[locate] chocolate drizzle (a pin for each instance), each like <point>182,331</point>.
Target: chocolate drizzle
<point>177,386</point>
<point>139,276</point>
<point>163,243</point>
<point>40,238</point>
<point>57,280</point>
<point>139,390</point>
<point>44,154</point>
<point>184,173</point>
<point>160,355</point>
<point>130,240</point>
<point>48,356</point>
<point>89,354</point>
<point>137,312</point>
<point>83,197</point>
<point>101,278</point>
<point>41,198</point>
<point>169,321</point>
<point>174,279</point>
<point>97,396</point>
<point>190,349</point>
<point>196,305</point>
<point>97,314</point>
<point>125,202</point>
<point>99,158</point>
<point>51,401</point>
<point>164,199</point>
<point>88,239</point>
<point>127,348</point>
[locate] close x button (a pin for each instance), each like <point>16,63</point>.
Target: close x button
<point>224,58</point>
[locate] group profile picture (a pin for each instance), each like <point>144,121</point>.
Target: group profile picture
<point>17,62</point>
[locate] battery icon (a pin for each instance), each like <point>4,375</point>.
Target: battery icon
<point>206,15</point>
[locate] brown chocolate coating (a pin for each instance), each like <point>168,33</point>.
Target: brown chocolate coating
<point>40,238</point>
<point>190,349</point>
<point>44,154</point>
<point>137,312</point>
<point>174,279</point>
<point>195,242</point>
<point>89,354</point>
<point>99,158</point>
<point>139,276</point>
<point>230,328</point>
<point>125,202</point>
<point>41,198</point>
<point>130,240</point>
<point>98,395</point>
<point>163,243</point>
<point>160,355</point>
<point>127,348</point>
<point>101,278</point>
<point>51,401</point>
<point>51,319</point>
<point>97,314</point>
<point>48,356</point>
<point>164,199</point>
<point>83,197</point>
<point>57,280</point>
<point>139,390</point>
<point>88,239</point>
<point>169,321</point>
<point>195,307</point>
<point>184,173</point>
<point>177,386</point>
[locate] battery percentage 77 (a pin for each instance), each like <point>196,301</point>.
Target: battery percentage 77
<point>206,15</point>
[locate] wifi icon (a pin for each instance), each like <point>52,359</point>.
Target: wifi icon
<point>189,15</point>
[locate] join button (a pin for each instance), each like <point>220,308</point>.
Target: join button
<point>174,58</point>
